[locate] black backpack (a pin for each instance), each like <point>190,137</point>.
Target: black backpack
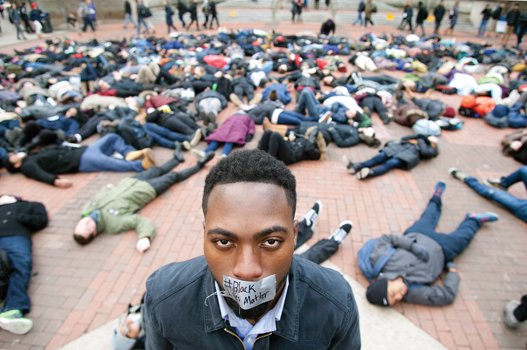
<point>5,271</point>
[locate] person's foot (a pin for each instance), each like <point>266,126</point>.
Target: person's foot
<point>495,183</point>
<point>186,145</point>
<point>148,159</point>
<point>13,321</point>
<point>325,118</point>
<point>312,215</point>
<point>439,189</point>
<point>483,217</point>
<point>456,173</point>
<point>341,233</point>
<point>352,167</point>
<point>255,100</point>
<point>363,173</point>
<point>508,314</point>
<point>205,159</point>
<point>198,153</point>
<point>196,138</point>
<point>178,152</point>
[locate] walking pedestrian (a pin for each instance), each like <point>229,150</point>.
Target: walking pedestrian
<point>439,13</point>
<point>14,16</point>
<point>368,11</point>
<point>486,14</point>
<point>453,16</point>
<point>169,13</point>
<point>128,15</point>
<point>422,15</point>
<point>360,11</point>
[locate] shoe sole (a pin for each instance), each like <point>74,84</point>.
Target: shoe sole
<point>363,173</point>
<point>17,326</point>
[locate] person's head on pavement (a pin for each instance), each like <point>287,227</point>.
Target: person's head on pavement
<point>385,292</point>
<point>85,230</point>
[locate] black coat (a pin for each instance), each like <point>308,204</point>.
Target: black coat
<point>22,218</point>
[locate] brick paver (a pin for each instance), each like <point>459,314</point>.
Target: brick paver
<point>76,289</point>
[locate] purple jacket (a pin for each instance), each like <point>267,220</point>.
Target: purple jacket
<point>235,129</point>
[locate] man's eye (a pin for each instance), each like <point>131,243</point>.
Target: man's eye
<point>272,243</point>
<point>223,243</point>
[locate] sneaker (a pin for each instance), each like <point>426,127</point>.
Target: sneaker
<point>325,117</point>
<point>455,172</point>
<point>13,321</point>
<point>311,216</point>
<point>495,183</point>
<point>198,153</point>
<point>439,188</point>
<point>508,314</point>
<point>363,173</point>
<point>341,233</point>
<point>205,159</point>
<point>196,138</point>
<point>186,145</point>
<point>483,217</point>
<point>352,167</point>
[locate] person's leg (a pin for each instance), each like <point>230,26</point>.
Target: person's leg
<point>164,182</point>
<point>307,101</point>
<point>227,148</point>
<point>111,143</point>
<point>516,206</point>
<point>290,118</point>
<point>344,139</point>
<point>213,146</point>
<point>381,109</point>
<point>165,132</point>
<point>385,167</point>
<point>18,250</point>
<point>157,171</point>
<point>457,241</point>
<point>238,91</point>
<point>427,223</point>
<point>321,251</point>
<point>517,176</point>
<point>379,158</point>
<point>176,124</point>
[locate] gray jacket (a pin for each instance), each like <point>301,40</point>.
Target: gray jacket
<point>319,311</point>
<point>418,274</point>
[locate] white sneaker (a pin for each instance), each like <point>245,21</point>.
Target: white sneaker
<point>13,321</point>
<point>311,216</point>
<point>508,314</point>
<point>343,230</point>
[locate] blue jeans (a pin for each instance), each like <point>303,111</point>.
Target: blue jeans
<point>164,136</point>
<point>359,19</point>
<point>227,147</point>
<point>8,125</point>
<point>294,118</point>
<point>18,249</point>
<point>483,27</point>
<point>453,243</point>
<point>307,101</point>
<point>518,207</point>
<point>141,21</point>
<point>98,156</point>
<point>383,162</point>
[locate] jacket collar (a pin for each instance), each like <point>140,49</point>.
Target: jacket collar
<point>287,327</point>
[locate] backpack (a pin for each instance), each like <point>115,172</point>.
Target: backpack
<point>5,270</point>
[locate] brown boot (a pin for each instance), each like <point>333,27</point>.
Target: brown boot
<point>148,159</point>
<point>281,129</point>
<point>134,155</point>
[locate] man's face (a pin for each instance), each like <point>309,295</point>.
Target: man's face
<point>249,234</point>
<point>397,289</point>
<point>85,227</point>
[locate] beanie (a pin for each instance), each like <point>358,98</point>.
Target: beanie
<point>377,292</point>
<point>449,112</point>
<point>500,111</point>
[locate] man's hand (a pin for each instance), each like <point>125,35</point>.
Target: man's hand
<point>143,244</point>
<point>62,183</point>
<point>420,251</point>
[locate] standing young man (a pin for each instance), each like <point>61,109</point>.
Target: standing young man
<point>248,290</point>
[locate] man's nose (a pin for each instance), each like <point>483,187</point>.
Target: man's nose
<point>248,264</point>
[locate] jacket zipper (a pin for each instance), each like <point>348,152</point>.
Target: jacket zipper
<point>240,339</point>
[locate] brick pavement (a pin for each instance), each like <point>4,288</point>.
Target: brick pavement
<point>74,290</point>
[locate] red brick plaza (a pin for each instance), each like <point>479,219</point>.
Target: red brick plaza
<point>76,289</point>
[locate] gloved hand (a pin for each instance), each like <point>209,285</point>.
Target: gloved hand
<point>420,251</point>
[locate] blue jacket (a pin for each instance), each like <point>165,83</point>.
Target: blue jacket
<point>319,311</point>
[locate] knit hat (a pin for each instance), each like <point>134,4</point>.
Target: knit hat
<point>377,292</point>
<point>500,111</point>
<point>449,112</point>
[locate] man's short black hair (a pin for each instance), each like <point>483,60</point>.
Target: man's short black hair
<point>10,167</point>
<point>251,166</point>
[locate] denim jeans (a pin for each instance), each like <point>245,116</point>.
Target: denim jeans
<point>294,118</point>
<point>483,27</point>
<point>8,125</point>
<point>98,156</point>
<point>453,243</point>
<point>318,252</point>
<point>18,249</point>
<point>384,164</point>
<point>227,147</point>
<point>307,101</point>
<point>164,136</point>
<point>518,207</point>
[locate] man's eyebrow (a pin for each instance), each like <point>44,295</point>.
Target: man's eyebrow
<point>261,234</point>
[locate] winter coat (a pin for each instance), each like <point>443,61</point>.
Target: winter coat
<point>22,218</point>
<point>117,206</point>
<point>237,129</point>
<point>210,94</point>
<point>422,14</point>
<point>263,110</point>
<point>404,151</point>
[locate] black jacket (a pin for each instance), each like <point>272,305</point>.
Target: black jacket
<point>513,16</point>
<point>22,218</point>
<point>46,164</point>
<point>439,13</point>
<point>422,14</point>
